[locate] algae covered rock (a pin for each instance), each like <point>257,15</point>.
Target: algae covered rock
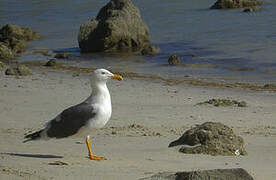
<point>213,174</point>
<point>21,33</point>
<point>14,37</point>
<point>231,4</point>
<point>19,70</point>
<point>5,52</point>
<point>211,138</point>
<point>118,27</point>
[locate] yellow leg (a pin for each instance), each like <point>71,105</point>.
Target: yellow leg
<point>91,156</point>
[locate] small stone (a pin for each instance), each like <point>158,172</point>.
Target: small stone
<point>75,74</point>
<point>51,63</point>
<point>242,104</point>
<point>174,59</point>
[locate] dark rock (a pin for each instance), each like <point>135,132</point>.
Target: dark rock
<point>211,138</point>
<point>215,174</point>
<point>20,70</point>
<point>118,27</point>
<point>231,4</point>
<point>174,59</point>
<point>51,63</point>
<point>61,55</point>
<point>5,53</point>
<point>252,9</point>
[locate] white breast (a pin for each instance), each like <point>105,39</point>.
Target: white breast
<point>103,114</point>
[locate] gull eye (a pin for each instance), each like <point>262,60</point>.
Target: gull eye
<point>103,72</point>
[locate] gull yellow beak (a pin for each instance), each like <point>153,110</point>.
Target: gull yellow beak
<point>118,77</point>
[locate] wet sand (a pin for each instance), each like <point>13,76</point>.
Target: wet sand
<point>148,114</point>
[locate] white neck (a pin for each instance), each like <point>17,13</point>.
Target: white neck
<point>100,93</point>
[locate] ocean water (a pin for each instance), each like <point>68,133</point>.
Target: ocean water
<point>220,39</point>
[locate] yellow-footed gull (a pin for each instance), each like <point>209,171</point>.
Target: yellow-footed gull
<point>92,113</point>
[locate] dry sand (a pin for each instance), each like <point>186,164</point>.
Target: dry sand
<point>146,117</point>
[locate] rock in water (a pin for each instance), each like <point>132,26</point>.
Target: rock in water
<point>231,4</point>
<point>14,37</point>
<point>214,174</point>
<point>21,33</point>
<point>118,27</point>
<point>211,138</point>
<point>174,60</point>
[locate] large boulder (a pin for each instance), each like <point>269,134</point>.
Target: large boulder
<point>214,174</point>
<point>118,27</point>
<point>230,4</point>
<point>211,138</point>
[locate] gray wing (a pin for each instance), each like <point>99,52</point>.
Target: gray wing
<point>70,121</point>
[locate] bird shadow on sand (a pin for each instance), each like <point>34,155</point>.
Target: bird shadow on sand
<point>44,156</point>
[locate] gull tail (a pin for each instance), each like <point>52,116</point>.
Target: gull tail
<point>33,136</point>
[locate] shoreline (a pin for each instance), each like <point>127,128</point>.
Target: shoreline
<point>170,81</point>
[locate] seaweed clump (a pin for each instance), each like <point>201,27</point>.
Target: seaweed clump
<point>224,102</point>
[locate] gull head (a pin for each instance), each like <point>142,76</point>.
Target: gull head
<point>102,75</point>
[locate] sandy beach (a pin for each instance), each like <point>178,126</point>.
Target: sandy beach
<point>147,116</point>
